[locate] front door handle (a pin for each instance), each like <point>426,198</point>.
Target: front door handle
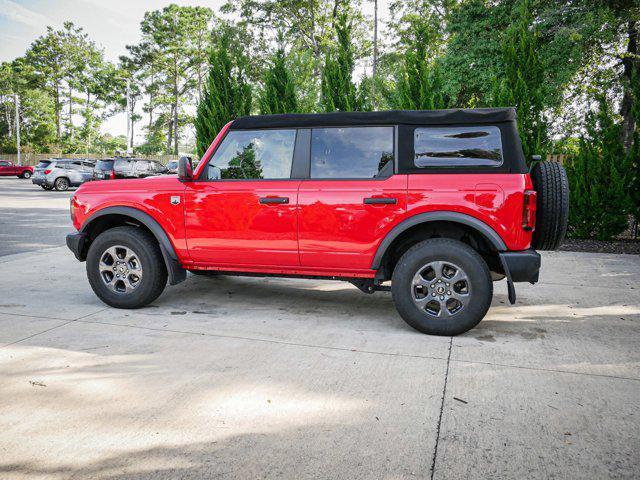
<point>274,200</point>
<point>380,201</point>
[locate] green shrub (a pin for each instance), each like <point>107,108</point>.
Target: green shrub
<point>599,179</point>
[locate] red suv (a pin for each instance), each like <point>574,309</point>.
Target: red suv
<point>440,203</point>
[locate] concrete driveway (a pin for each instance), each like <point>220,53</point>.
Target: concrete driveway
<point>264,378</point>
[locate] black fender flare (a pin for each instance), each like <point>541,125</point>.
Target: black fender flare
<point>455,217</point>
<point>176,273</point>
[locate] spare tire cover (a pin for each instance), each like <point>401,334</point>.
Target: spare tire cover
<point>552,187</point>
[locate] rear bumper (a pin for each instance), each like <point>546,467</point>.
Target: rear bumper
<point>523,266</point>
<point>39,180</point>
<point>75,242</point>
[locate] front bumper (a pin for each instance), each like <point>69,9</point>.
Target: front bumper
<point>76,243</point>
<point>522,266</point>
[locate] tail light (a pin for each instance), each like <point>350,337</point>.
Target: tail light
<point>112,175</point>
<point>47,171</point>
<point>529,210</point>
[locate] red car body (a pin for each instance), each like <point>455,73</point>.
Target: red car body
<point>324,230</point>
<point>9,169</point>
<point>440,203</point>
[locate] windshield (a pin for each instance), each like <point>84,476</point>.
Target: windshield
<point>104,165</point>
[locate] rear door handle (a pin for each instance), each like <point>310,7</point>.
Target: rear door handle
<point>274,200</point>
<point>380,201</point>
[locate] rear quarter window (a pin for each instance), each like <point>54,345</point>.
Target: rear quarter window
<point>467,146</point>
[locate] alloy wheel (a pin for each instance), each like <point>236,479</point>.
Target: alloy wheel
<point>120,269</point>
<point>440,289</point>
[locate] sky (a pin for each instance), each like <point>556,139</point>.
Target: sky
<point>112,24</point>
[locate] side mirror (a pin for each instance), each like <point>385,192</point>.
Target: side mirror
<point>185,169</point>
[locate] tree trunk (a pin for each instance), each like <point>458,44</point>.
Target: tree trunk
<point>58,113</point>
<point>169,134</point>
<point>70,127</point>
<point>175,105</point>
<point>631,64</point>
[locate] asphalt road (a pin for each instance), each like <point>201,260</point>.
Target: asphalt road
<point>31,218</point>
<point>241,378</point>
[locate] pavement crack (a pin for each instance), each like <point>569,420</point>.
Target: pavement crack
<point>444,393</point>
<point>48,329</point>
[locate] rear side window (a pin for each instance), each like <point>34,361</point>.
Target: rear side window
<point>104,165</point>
<point>253,154</point>
<point>457,147</point>
<point>351,152</point>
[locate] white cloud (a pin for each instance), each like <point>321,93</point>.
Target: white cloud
<point>14,12</point>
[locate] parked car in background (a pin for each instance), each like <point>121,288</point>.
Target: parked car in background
<point>62,173</point>
<point>172,166</point>
<point>113,168</point>
<point>8,169</point>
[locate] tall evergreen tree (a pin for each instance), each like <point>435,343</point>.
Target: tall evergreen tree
<point>599,178</point>
<point>418,81</point>
<point>338,92</point>
<point>278,94</point>
<point>522,84</point>
<point>226,96</point>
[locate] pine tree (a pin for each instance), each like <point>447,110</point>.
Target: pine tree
<point>419,82</point>
<point>599,176</point>
<point>278,94</point>
<point>633,153</point>
<point>226,96</point>
<point>522,85</point>
<point>338,91</point>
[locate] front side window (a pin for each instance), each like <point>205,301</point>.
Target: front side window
<point>253,154</point>
<point>457,147</point>
<point>351,152</point>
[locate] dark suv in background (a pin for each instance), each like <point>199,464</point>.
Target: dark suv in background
<point>113,168</point>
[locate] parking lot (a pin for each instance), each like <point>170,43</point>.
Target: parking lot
<point>233,377</point>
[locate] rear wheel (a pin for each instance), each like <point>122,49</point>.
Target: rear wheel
<point>61,184</point>
<point>552,207</point>
<point>442,287</point>
<point>46,187</point>
<point>125,268</point>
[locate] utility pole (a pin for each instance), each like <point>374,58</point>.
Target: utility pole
<point>128,118</point>
<point>375,53</point>
<point>17,101</point>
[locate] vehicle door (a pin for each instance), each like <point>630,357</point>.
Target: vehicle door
<point>7,169</point>
<point>75,172</point>
<point>242,209</point>
<point>351,198</point>
<point>87,170</point>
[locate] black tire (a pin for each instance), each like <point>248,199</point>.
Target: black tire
<point>26,174</point>
<point>61,184</point>
<point>145,246</point>
<point>552,216</point>
<point>454,252</point>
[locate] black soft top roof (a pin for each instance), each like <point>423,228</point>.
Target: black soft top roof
<point>390,117</point>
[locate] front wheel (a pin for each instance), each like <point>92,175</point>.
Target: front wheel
<point>125,267</point>
<point>442,287</point>
<point>26,174</point>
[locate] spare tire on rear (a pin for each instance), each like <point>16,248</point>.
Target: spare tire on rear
<point>552,187</point>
